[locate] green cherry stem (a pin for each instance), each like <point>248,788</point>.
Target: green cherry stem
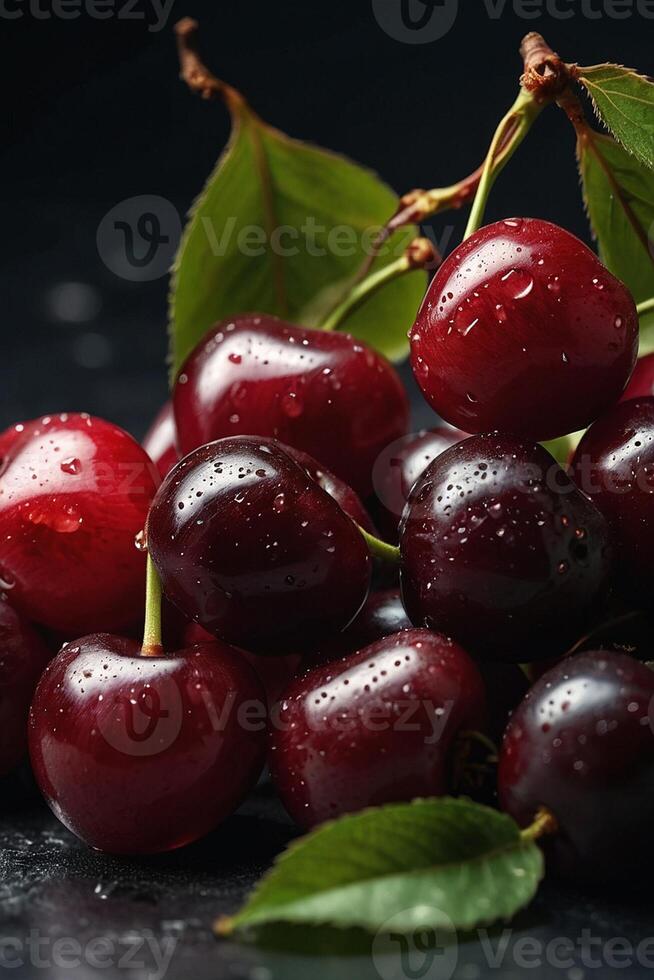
<point>508,136</point>
<point>152,646</point>
<point>544,823</point>
<point>420,254</point>
<point>647,306</point>
<point>380,549</point>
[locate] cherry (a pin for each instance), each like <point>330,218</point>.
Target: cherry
<point>581,745</point>
<point>614,465</point>
<point>251,548</point>
<point>382,615</point>
<point>345,496</point>
<point>141,754</point>
<point>275,673</point>
<point>524,329</point>
<point>501,551</point>
<point>399,466</point>
<point>374,728</point>
<point>160,441</point>
<point>23,658</point>
<point>642,380</point>
<point>325,393</point>
<point>74,492</point>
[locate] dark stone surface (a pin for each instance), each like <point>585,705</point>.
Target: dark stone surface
<point>68,912</point>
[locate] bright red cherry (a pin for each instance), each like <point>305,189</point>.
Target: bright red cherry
<point>138,754</point>
<point>614,465</point>
<point>581,745</point>
<point>160,441</point>
<point>74,492</point>
<point>501,551</point>
<point>642,380</point>
<point>23,658</point>
<point>374,728</point>
<point>399,466</point>
<point>251,548</point>
<point>523,329</point>
<point>325,393</point>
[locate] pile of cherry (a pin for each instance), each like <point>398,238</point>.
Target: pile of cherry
<point>287,636</point>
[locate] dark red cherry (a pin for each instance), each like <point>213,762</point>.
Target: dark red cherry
<point>347,499</point>
<point>74,492</point>
<point>139,754</point>
<point>325,393</point>
<point>160,441</point>
<point>23,658</point>
<point>275,673</point>
<point>642,380</point>
<point>523,329</point>
<point>251,548</point>
<point>501,551</point>
<point>382,615</point>
<point>399,466</point>
<point>374,728</point>
<point>581,745</point>
<point>614,465</point>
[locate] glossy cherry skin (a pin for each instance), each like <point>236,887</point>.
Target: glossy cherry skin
<point>501,551</point>
<point>374,728</point>
<point>251,548</point>
<point>346,498</point>
<point>399,466</point>
<point>614,465</point>
<point>581,745</point>
<point>384,614</point>
<point>325,393</point>
<point>642,380</point>
<point>523,329</point>
<point>23,658</point>
<point>138,755</point>
<point>160,441</point>
<point>275,673</point>
<point>74,492</point>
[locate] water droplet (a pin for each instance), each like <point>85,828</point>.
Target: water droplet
<point>564,357</point>
<point>182,380</point>
<point>618,323</point>
<point>235,358</point>
<point>139,542</point>
<point>279,502</point>
<point>518,282</point>
<point>292,405</point>
<point>71,465</point>
<point>563,567</point>
<point>598,284</point>
<point>554,285</point>
<point>471,397</point>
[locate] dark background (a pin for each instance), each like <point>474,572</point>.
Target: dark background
<point>93,113</point>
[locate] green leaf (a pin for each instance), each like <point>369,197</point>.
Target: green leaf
<point>320,206</point>
<point>619,197</point>
<point>624,101</point>
<point>442,863</point>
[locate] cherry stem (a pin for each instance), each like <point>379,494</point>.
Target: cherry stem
<point>508,136</point>
<point>420,254</point>
<point>152,646</point>
<point>380,549</point>
<point>544,823</point>
<point>647,306</point>
<point>195,73</point>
